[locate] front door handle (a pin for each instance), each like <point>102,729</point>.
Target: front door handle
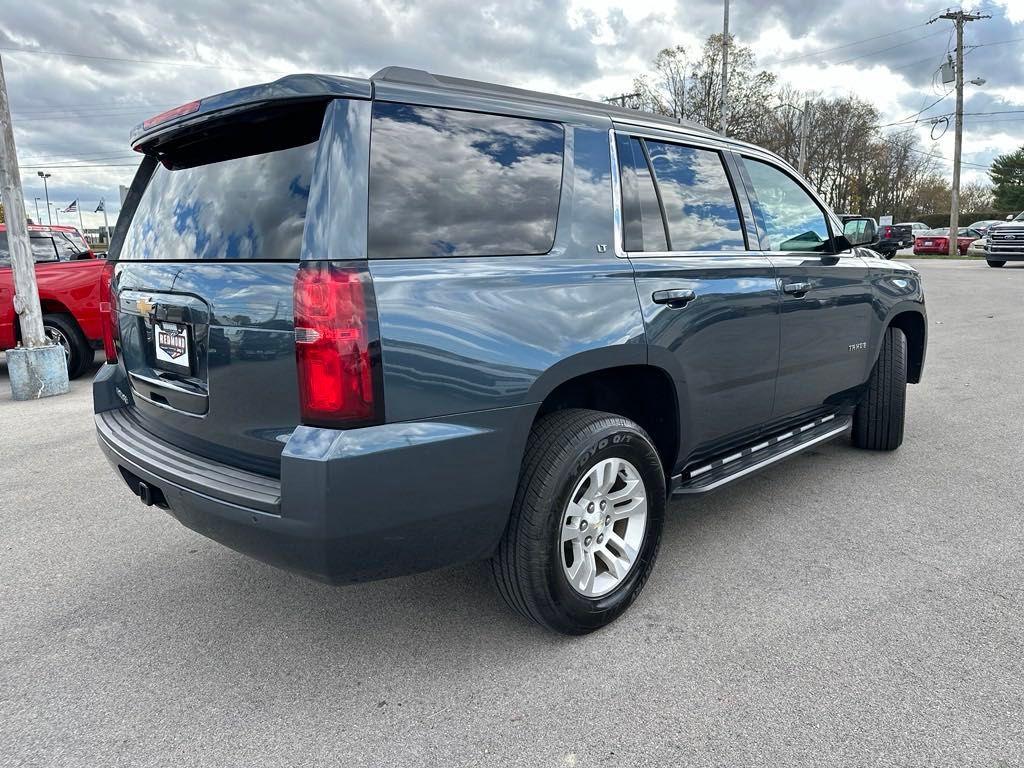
<point>796,289</point>
<point>676,298</point>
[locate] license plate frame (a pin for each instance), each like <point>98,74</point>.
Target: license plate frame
<point>172,346</point>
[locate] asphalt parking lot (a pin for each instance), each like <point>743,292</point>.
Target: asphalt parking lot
<point>845,608</point>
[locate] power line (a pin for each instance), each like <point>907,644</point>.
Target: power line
<point>98,165</point>
<point>883,50</point>
<point>194,64</point>
<point>847,45</point>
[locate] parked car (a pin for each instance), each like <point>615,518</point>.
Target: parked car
<point>976,249</point>
<point>1005,242</point>
<point>936,241</point>
<point>915,226</point>
<point>889,238</point>
<point>519,323</point>
<point>68,275</point>
<point>893,237</point>
<point>984,226</point>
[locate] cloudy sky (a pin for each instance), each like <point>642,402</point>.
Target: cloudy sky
<point>80,74</point>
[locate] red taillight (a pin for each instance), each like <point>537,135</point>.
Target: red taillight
<point>170,114</point>
<point>336,345</point>
<point>108,313</point>
<point>886,231</point>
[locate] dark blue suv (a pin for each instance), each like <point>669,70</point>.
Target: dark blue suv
<point>361,328</point>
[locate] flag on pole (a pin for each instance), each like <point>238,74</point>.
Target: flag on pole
<point>72,208</point>
<point>99,207</point>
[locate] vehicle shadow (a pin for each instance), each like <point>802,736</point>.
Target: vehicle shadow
<point>185,585</point>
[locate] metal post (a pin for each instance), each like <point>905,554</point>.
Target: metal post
<point>37,212</point>
<point>38,368</point>
<point>106,224</point>
<point>46,191</point>
<point>725,70</point>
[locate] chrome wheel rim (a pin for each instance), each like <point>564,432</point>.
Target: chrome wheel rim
<point>54,336</point>
<point>602,527</point>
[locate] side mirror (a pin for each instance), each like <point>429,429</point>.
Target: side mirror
<point>860,231</point>
<point>1009,217</point>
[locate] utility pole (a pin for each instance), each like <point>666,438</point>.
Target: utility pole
<point>959,18</point>
<point>804,120</point>
<point>37,368</point>
<point>725,70</point>
<point>46,191</point>
<point>37,212</point>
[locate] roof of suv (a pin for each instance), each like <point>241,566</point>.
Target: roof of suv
<point>308,86</point>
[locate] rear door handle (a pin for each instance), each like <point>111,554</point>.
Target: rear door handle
<point>676,298</point>
<point>796,289</point>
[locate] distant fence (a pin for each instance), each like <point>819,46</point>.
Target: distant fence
<point>966,219</point>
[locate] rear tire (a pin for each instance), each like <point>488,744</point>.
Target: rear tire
<point>996,264</point>
<point>879,418</point>
<point>63,330</point>
<point>561,485</point>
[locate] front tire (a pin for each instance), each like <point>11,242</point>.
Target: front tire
<point>64,331</point>
<point>585,524</point>
<point>996,264</point>
<point>879,418</point>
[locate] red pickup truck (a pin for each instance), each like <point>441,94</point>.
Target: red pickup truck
<point>68,274</point>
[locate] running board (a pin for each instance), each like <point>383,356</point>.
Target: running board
<point>724,470</point>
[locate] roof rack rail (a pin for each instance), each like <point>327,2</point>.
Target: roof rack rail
<point>409,76</point>
<point>405,75</point>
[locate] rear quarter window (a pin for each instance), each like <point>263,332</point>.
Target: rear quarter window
<point>452,183</point>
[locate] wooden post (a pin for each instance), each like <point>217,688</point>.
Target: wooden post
<point>26,293</point>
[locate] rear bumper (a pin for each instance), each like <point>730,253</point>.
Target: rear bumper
<point>350,505</point>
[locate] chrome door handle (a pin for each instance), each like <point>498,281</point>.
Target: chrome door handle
<point>676,298</point>
<point>796,289</point>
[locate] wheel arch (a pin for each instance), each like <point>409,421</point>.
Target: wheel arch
<point>630,387</point>
<point>912,323</point>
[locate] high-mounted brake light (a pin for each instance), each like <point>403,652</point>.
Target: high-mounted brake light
<point>108,313</point>
<point>170,114</point>
<point>337,346</point>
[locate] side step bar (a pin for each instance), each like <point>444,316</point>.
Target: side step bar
<point>746,461</point>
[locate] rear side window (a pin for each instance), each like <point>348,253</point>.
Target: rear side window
<point>792,219</point>
<point>700,207</point>
<point>42,248</point>
<point>251,207</point>
<point>452,183</point>
<point>643,225</point>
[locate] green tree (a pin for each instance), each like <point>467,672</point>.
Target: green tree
<point>1007,174</point>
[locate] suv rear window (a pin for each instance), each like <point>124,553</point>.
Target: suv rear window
<point>452,183</point>
<point>251,207</point>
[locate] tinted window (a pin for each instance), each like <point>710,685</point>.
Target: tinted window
<point>699,204</point>
<point>42,248</point>
<point>643,226</point>
<point>247,208</point>
<point>793,220</point>
<point>451,183</point>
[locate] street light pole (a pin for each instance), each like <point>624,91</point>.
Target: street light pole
<point>37,212</point>
<point>46,191</point>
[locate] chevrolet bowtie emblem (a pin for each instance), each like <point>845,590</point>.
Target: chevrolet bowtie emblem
<point>144,306</point>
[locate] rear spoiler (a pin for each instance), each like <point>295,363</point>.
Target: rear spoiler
<point>152,132</point>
